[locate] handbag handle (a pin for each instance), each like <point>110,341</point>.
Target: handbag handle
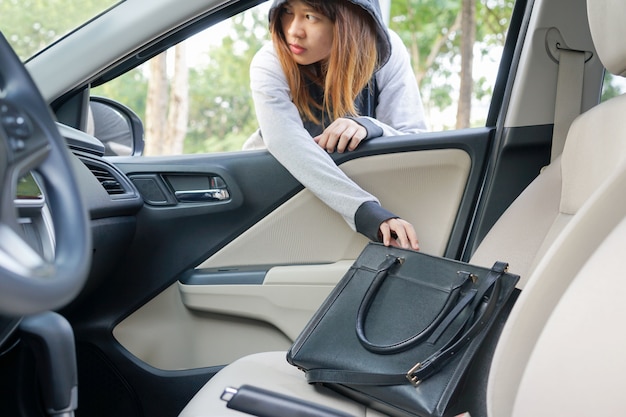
<point>366,303</point>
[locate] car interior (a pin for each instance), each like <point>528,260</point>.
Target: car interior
<point>156,285</point>
<point>549,233</point>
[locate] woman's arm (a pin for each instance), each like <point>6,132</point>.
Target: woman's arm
<point>399,108</point>
<point>290,143</point>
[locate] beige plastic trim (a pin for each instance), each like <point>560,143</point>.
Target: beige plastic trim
<point>423,187</point>
<point>190,326</point>
<point>534,91</point>
<point>167,335</point>
<point>287,299</point>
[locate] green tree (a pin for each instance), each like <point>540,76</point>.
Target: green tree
<point>130,89</point>
<point>468,39</point>
<point>221,115</point>
<point>21,23</point>
<point>610,87</point>
<point>431,30</point>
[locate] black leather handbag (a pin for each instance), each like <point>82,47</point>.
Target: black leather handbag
<point>400,330</point>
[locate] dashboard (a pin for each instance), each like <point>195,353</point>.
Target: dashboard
<point>111,199</point>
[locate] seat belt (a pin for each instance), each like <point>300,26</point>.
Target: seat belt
<point>569,96</point>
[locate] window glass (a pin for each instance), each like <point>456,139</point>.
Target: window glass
<point>435,33</point>
<point>30,26</point>
<point>613,86</point>
<point>196,98</point>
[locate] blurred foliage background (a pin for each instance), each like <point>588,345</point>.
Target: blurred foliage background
<point>220,113</point>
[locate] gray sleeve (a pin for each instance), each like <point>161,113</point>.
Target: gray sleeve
<point>373,130</point>
<point>368,218</point>
<point>288,141</point>
<point>400,109</point>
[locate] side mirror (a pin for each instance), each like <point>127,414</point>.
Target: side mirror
<point>116,126</point>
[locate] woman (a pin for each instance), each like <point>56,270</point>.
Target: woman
<point>333,76</point>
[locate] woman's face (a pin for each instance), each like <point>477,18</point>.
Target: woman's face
<point>309,34</point>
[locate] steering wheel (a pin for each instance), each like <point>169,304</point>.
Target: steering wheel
<point>30,142</point>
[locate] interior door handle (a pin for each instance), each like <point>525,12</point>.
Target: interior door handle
<point>202,196</point>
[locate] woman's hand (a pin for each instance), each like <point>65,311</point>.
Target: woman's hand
<point>399,233</point>
<point>342,134</point>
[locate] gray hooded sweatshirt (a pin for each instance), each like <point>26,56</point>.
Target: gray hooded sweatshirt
<point>397,108</point>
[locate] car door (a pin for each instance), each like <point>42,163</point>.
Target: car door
<point>229,254</point>
<point>250,269</point>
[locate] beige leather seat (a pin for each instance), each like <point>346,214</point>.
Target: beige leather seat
<point>561,351</point>
<point>583,341</point>
<point>547,235</point>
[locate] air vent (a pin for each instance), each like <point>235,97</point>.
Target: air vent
<point>107,179</point>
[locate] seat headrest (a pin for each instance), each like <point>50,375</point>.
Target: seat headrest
<point>608,30</point>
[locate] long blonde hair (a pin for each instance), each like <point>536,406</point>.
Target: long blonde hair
<point>348,70</point>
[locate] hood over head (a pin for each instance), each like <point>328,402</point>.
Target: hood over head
<point>373,9</point>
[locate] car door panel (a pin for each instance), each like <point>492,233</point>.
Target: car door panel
<point>191,326</point>
<point>296,252</point>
